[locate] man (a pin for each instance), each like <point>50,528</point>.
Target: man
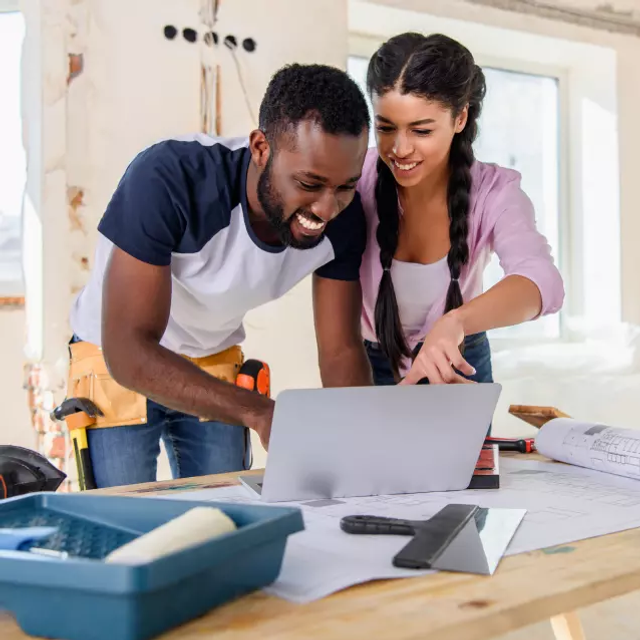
<point>198,232</point>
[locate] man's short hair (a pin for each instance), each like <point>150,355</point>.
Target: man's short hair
<point>325,95</point>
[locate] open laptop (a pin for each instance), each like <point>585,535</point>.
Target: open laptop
<point>360,441</point>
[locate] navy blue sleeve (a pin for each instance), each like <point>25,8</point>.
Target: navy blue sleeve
<point>348,235</point>
<point>147,214</point>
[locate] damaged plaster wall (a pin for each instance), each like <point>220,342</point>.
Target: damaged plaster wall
<point>101,81</point>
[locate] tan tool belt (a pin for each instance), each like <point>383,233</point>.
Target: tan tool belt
<point>90,378</point>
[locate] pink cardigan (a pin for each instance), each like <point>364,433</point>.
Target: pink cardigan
<point>501,219</point>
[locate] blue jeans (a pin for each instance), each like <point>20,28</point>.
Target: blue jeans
<point>129,454</point>
<point>476,352</point>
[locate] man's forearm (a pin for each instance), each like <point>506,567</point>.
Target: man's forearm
<point>177,383</point>
<point>350,368</point>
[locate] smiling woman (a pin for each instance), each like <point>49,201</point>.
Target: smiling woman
<point>436,215</point>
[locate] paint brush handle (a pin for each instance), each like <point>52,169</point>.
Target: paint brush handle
<point>374,525</point>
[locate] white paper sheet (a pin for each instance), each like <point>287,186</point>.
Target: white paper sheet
<point>563,503</point>
<point>591,445</point>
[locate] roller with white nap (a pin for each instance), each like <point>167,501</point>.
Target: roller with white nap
<point>193,527</point>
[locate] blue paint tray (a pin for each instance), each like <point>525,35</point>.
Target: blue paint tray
<point>83,598</point>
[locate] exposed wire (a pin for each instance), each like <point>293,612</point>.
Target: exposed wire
<point>209,12</point>
<point>210,121</point>
<point>242,84</point>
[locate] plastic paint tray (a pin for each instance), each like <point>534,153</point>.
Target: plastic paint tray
<point>83,598</point>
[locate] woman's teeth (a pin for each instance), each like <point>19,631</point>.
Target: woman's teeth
<point>405,167</point>
<point>309,224</point>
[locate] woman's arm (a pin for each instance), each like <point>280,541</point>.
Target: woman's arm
<point>532,286</point>
<point>513,300</point>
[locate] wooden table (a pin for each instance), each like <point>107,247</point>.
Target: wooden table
<point>525,589</point>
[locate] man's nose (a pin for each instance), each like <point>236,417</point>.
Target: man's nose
<point>326,207</point>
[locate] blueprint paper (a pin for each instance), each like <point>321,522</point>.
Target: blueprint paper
<point>564,504</point>
<point>590,445</point>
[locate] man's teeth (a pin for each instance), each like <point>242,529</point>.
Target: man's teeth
<point>405,167</point>
<point>309,224</point>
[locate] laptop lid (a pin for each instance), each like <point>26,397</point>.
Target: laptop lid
<point>358,441</point>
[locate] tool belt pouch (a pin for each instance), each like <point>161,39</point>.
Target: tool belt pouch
<point>90,378</point>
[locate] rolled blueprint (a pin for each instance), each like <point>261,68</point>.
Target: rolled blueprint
<point>591,445</point>
<point>193,527</point>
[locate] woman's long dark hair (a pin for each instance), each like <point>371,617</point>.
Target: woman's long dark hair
<point>440,69</point>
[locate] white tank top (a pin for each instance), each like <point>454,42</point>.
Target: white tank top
<point>418,287</point>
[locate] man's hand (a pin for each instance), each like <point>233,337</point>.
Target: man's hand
<point>337,305</point>
<point>440,353</point>
<point>261,424</point>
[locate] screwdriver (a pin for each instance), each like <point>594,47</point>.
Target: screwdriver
<point>523,445</point>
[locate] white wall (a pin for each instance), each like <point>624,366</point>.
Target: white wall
<point>15,423</point>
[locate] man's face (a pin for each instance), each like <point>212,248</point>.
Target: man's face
<point>308,180</point>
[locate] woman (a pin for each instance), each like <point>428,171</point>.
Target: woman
<point>435,215</point>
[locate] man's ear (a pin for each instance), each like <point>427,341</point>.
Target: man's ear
<point>259,147</point>
<point>461,120</point>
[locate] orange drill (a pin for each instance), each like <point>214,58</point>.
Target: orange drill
<point>254,375</point>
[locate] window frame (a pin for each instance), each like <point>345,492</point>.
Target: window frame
<point>12,292</point>
<point>363,45</point>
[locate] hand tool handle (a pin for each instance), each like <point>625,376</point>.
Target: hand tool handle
<point>523,445</point>
<point>374,525</point>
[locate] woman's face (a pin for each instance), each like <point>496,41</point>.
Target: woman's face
<point>414,135</point>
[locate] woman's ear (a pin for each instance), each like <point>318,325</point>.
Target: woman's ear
<point>461,120</point>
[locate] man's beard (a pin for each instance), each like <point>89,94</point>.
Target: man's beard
<point>273,208</point>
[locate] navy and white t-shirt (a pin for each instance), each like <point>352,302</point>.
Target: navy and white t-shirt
<point>183,203</point>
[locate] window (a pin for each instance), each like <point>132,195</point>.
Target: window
<point>519,129</point>
<point>12,155</point>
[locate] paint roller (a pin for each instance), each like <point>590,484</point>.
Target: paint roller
<point>193,527</point>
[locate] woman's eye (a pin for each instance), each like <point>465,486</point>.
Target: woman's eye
<point>384,129</point>
<point>423,132</point>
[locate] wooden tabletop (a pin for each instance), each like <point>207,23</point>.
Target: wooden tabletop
<point>525,589</point>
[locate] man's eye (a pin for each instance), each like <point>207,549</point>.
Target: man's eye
<point>309,187</point>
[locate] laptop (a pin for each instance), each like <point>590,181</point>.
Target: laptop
<point>362,441</point>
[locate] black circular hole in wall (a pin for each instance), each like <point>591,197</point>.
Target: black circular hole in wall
<point>231,42</point>
<point>170,32</point>
<point>210,38</point>
<point>189,35</point>
<point>249,44</point>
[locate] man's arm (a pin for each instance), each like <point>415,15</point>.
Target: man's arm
<point>337,306</point>
<point>135,312</point>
